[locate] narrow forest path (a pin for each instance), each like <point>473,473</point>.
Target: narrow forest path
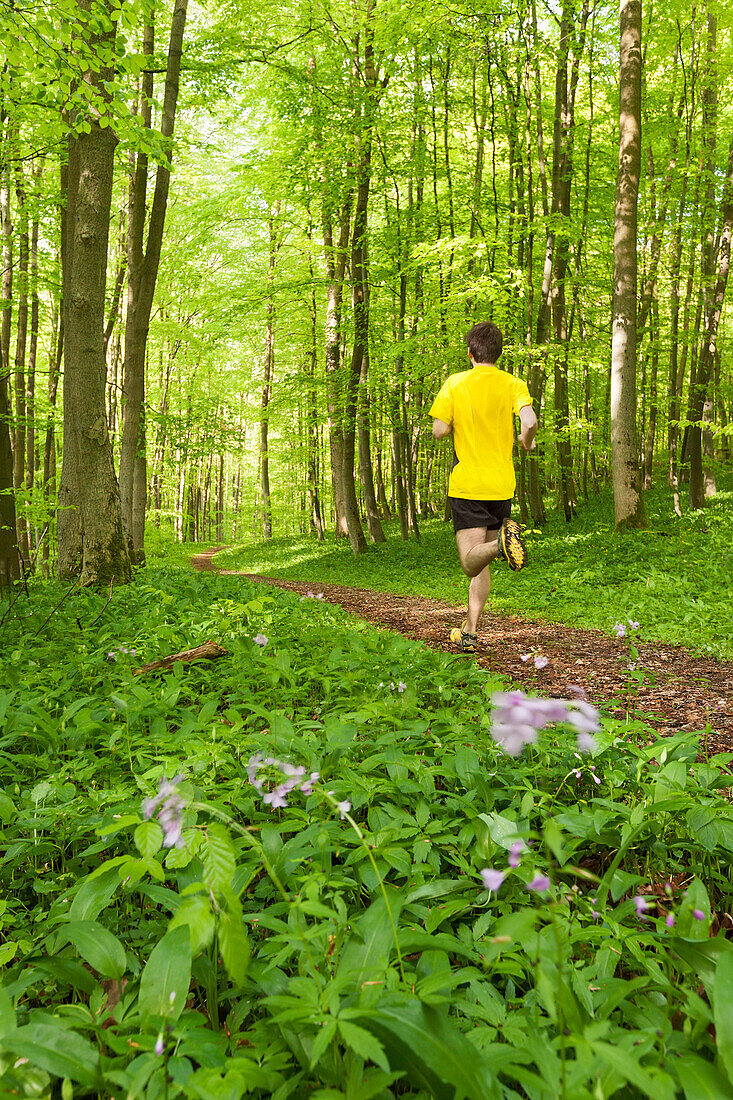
<point>681,692</point>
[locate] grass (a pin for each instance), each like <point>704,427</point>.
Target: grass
<point>674,577</point>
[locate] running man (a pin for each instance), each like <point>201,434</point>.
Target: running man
<point>477,406</point>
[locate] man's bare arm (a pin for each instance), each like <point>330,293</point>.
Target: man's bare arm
<point>441,429</point>
<point>528,431</point>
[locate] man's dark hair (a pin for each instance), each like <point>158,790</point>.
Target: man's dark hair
<point>485,342</point>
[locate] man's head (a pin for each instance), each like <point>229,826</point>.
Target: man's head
<point>485,342</point>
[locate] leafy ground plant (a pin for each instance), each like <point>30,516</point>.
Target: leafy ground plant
<point>354,869</point>
<point>671,576</point>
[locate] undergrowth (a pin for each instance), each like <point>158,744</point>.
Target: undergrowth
<point>345,944</point>
<point>674,576</point>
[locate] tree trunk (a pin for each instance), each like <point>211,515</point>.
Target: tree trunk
<point>267,376</point>
<point>91,541</point>
<point>708,343</point>
<point>142,278</point>
<point>21,336</point>
<point>628,501</point>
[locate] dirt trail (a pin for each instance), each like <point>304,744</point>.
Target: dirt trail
<point>682,692</point>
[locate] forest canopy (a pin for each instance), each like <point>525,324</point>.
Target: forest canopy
<point>242,247</point>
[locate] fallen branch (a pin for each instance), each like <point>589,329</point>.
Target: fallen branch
<point>208,651</point>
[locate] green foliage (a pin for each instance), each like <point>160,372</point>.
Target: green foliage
<point>671,577</point>
<point>342,945</point>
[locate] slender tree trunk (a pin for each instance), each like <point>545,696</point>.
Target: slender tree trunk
<point>267,377</point>
<point>708,343</point>
<point>21,338</point>
<point>628,501</point>
<point>30,399</point>
<point>314,498</point>
<point>143,263</point>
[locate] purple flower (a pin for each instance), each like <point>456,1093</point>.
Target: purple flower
<point>170,814</point>
<point>669,920</point>
<point>583,716</point>
<point>541,662</point>
<point>307,785</point>
<point>593,911</point>
<point>619,630</point>
<point>159,1045</point>
<point>698,914</point>
<point>343,808</point>
<point>633,625</point>
<point>276,798</point>
<point>586,742</point>
<point>492,879</point>
<point>260,639</point>
<point>525,657</point>
<point>514,853</point>
<point>539,884</point>
<point>641,906</point>
<point>401,687</point>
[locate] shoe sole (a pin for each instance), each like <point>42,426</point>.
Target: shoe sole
<point>511,545</point>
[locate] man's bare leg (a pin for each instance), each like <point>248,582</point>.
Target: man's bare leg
<point>477,547</point>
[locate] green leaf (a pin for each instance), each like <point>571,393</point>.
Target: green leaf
<point>166,978</point>
<point>366,954</point>
<point>363,1043</point>
<point>234,945</point>
<point>148,838</point>
<point>97,946</point>
<point>322,1041</point>
<point>57,1050</point>
<point>654,1085</point>
<point>723,1010</point>
<point>195,914</point>
<point>95,892</point>
<point>7,1014</point>
<point>218,857</point>
<point>700,1080</point>
<point>430,1049</point>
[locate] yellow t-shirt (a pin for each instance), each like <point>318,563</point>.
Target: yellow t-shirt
<point>478,404</point>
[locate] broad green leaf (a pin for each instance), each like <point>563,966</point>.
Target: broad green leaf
<point>166,978</point>
<point>57,1050</point>
<point>366,954</point>
<point>7,1014</point>
<point>234,945</point>
<point>196,915</point>
<point>723,1010</point>
<point>430,1049</point>
<point>95,892</point>
<point>655,1085</point>
<point>97,946</point>
<point>148,838</point>
<point>218,858</point>
<point>700,1080</point>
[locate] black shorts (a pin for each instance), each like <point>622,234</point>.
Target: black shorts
<point>479,513</point>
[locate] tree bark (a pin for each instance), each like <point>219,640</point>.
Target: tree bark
<point>142,278</point>
<point>628,501</point>
<point>91,541</point>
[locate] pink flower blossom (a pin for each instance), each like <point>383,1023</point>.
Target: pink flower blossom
<point>492,879</point>
<point>539,884</point>
<point>260,639</point>
<point>698,914</point>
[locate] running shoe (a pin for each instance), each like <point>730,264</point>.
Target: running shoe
<point>511,546</point>
<point>462,640</point>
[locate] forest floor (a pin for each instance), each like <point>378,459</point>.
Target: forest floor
<point>677,692</point>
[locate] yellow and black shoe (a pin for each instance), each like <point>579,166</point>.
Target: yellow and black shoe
<point>511,546</point>
<point>462,640</point>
